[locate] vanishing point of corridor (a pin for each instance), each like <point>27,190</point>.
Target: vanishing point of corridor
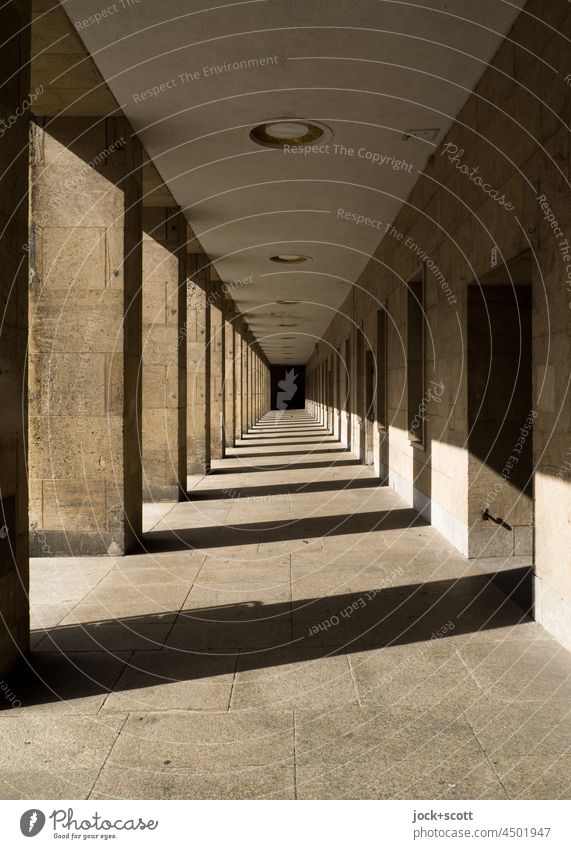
<point>294,630</point>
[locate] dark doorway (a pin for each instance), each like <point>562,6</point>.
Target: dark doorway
<point>287,387</point>
<point>500,416</point>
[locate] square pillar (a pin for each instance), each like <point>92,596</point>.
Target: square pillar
<point>258,407</point>
<point>237,379</point>
<point>197,365</point>
<point>85,337</point>
<point>229,385</point>
<point>254,387</point>
<point>261,389</point>
<point>14,86</point>
<point>244,381</point>
<point>250,385</point>
<point>164,354</point>
<point>216,361</point>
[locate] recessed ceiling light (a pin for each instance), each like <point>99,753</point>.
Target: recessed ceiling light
<point>288,131</point>
<point>292,258</point>
<point>288,302</point>
<point>287,325</point>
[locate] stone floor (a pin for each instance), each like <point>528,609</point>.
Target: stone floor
<point>293,631</point>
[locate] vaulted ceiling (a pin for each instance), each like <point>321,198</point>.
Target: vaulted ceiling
<point>384,79</point>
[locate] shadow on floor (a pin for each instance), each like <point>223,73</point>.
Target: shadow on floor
<point>334,443</point>
<point>287,489</point>
<point>177,539</point>
<point>279,467</point>
<point>204,642</point>
<point>319,438</point>
<point>307,453</point>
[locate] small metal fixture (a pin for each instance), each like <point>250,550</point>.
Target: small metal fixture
<point>423,135</point>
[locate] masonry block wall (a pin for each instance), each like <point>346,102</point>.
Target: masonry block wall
<point>85,337</point>
<point>221,375</point>
<point>14,89</point>
<point>198,389</point>
<point>502,169</point>
<point>215,366</point>
<point>244,383</point>
<point>164,354</point>
<point>229,385</point>
<point>237,347</point>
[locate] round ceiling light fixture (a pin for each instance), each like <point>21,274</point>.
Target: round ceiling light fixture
<point>290,258</point>
<point>289,132</point>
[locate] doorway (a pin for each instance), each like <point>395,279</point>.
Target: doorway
<point>287,384</point>
<point>500,414</point>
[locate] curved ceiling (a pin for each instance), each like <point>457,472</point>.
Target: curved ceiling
<point>195,76</point>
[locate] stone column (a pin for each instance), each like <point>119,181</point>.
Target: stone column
<point>246,383</point>
<point>259,388</point>
<point>255,398</point>
<point>164,354</point>
<point>216,361</point>
<point>244,388</point>
<point>250,384</point>
<point>321,386</point>
<point>197,365</point>
<point>237,379</point>
<point>85,340</point>
<point>256,386</point>
<point>14,86</point>
<point>229,390</point>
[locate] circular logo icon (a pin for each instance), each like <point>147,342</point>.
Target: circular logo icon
<point>32,822</point>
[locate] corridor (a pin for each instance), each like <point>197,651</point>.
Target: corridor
<point>292,630</point>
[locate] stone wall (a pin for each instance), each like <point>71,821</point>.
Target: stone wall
<point>501,171</point>
<point>198,390</point>
<point>215,365</point>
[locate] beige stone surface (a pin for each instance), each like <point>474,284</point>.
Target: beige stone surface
<point>332,658</point>
<point>85,337</point>
<point>510,128</point>
<point>164,377</point>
